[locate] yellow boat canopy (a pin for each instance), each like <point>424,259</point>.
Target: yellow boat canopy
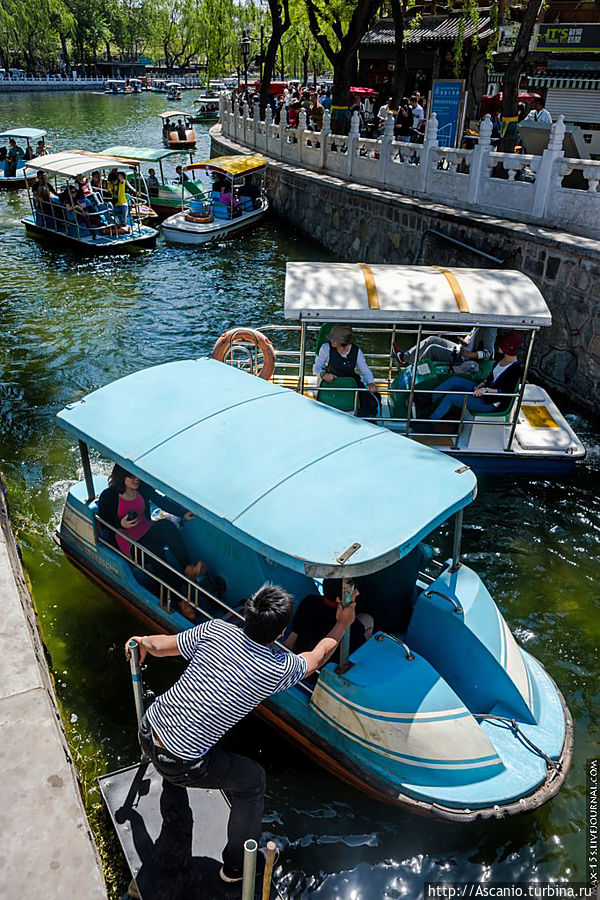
<point>231,165</point>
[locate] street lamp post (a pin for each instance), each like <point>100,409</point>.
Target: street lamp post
<point>245,50</point>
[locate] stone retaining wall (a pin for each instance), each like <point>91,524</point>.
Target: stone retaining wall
<point>371,225</point>
<point>22,87</point>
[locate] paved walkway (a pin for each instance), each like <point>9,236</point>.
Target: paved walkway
<point>47,846</point>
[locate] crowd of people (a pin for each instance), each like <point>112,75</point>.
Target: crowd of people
<point>85,201</point>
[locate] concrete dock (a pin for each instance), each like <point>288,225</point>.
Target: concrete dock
<point>47,845</point>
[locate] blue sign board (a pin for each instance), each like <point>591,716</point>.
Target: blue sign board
<point>447,105</point>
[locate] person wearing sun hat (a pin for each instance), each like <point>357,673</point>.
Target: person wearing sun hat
<point>503,379</point>
<point>339,357</point>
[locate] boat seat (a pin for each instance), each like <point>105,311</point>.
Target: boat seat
<point>246,204</point>
<point>192,188</point>
<point>220,210</point>
<point>390,594</point>
<point>342,400</point>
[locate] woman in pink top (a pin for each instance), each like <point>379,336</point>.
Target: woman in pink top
<point>125,504</point>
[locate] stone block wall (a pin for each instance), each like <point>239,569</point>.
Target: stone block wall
<point>359,223</point>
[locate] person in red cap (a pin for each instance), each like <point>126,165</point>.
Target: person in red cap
<point>503,379</point>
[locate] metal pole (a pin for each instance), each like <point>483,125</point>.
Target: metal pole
<point>248,882</point>
<point>347,588</point>
<point>136,678</point>
<point>457,538</point>
<point>270,860</point>
<point>87,471</point>
<point>413,379</point>
<point>302,356</point>
<point>517,408</point>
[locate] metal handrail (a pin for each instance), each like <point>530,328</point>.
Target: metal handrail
<point>190,584</point>
<point>409,654</point>
<point>457,606</point>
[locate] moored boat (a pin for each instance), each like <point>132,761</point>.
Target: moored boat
<point>92,223</point>
<point>20,178</point>
<point>117,86</point>
<point>236,200</point>
<point>440,711</point>
<point>393,308</point>
<point>177,130</point>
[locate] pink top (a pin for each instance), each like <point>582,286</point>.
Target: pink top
<point>141,526</point>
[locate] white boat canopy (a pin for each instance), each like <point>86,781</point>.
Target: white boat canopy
<point>357,292</point>
<point>171,113</point>
<point>74,162</point>
<point>29,134</point>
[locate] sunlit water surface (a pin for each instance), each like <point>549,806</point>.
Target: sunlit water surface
<point>70,325</point>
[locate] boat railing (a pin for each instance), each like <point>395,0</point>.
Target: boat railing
<point>70,222</point>
<point>291,366</point>
<point>194,593</point>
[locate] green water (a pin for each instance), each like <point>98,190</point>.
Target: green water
<point>70,325</point>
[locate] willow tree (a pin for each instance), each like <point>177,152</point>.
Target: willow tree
<point>338,26</point>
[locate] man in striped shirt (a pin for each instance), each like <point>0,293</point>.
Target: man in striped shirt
<point>231,670</point>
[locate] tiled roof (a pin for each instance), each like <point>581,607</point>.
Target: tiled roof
<point>431,29</point>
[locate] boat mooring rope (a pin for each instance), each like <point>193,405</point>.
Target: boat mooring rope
<point>551,763</point>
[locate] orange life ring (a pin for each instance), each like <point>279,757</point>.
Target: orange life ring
<point>200,220</point>
<point>226,340</point>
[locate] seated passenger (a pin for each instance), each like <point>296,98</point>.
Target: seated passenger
<point>181,130</point>
<point>153,183</point>
<point>478,345</point>
<point>181,176</point>
<point>229,200</point>
<point>40,149</point>
<point>316,616</point>
<point>250,190</point>
<point>339,357</point>
<point>3,161</point>
<point>125,505</point>
<point>41,189</point>
<point>503,379</point>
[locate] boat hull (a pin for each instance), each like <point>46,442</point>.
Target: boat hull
<point>122,244</point>
<point>16,183</point>
<point>342,723</point>
<point>178,231</point>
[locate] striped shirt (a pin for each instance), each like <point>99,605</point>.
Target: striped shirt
<point>227,677</point>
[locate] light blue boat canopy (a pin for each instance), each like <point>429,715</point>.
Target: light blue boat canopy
<point>29,134</point>
<point>293,479</point>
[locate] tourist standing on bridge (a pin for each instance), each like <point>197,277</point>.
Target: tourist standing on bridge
<point>231,670</point>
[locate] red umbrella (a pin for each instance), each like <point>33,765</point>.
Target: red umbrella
<point>491,103</point>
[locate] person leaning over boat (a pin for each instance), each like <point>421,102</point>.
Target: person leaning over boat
<point>339,357</point>
<point>503,379</point>
<point>477,346</point>
<point>231,670</point>
<point>125,505</point>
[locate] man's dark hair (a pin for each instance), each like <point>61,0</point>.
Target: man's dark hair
<point>267,612</point>
<point>332,588</point>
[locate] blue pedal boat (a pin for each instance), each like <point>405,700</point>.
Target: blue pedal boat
<point>440,711</point>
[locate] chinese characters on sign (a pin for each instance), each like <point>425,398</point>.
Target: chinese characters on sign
<point>447,104</point>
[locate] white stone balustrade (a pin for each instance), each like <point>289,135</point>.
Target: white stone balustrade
<point>511,185</point>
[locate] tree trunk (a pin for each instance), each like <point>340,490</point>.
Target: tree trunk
<point>512,75</point>
<point>343,70</point>
<point>282,64</point>
<point>280,21</point>
<point>399,86</point>
<point>65,52</point>
<point>305,54</point>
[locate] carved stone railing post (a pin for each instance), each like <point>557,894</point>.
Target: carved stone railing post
<point>479,161</point>
<point>549,177</point>
<point>385,147</point>
<point>428,152</point>
<point>223,116</point>
<point>255,122</point>
<point>325,132</point>
<point>353,137</point>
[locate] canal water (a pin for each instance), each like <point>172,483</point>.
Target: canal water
<point>70,325</point>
